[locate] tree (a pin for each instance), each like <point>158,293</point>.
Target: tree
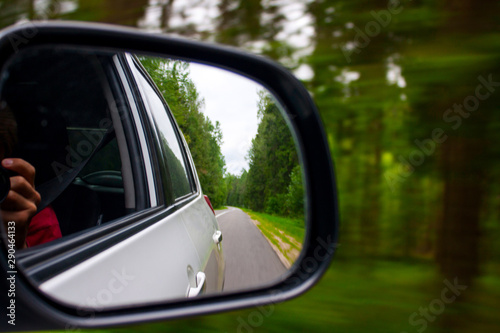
<point>272,157</point>
<point>202,136</point>
<point>236,186</point>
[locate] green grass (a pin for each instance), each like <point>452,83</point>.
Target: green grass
<point>220,208</point>
<point>277,228</point>
<point>358,296</point>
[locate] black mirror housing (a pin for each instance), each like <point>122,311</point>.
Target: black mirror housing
<point>35,311</point>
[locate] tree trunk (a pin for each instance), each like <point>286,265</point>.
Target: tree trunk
<point>458,231</point>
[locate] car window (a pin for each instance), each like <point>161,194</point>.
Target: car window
<point>178,171</point>
<point>106,158</point>
<point>75,143</point>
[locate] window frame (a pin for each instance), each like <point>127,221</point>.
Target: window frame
<point>50,259</point>
<point>118,89</point>
<point>192,176</point>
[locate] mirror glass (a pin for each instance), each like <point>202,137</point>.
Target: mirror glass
<point>130,179</point>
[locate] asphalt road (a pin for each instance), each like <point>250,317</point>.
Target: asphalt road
<point>250,260</point>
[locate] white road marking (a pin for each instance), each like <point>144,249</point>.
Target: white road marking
<point>227,211</point>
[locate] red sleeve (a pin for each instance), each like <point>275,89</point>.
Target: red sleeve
<point>43,228</point>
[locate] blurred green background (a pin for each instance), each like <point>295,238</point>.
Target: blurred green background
<point>409,94</point>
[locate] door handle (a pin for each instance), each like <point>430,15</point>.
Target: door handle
<point>217,237</point>
<point>201,278</point>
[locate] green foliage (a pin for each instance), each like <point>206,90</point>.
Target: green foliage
<point>292,226</point>
<point>177,173</point>
<point>202,136</point>
<point>236,186</point>
<point>273,183</point>
<point>294,198</point>
<point>403,226</point>
<point>286,234</point>
<point>272,157</point>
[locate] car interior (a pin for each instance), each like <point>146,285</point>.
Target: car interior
<point>71,141</point>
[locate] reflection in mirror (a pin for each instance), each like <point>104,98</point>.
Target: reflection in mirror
<point>137,180</point>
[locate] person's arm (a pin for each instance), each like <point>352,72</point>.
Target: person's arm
<point>22,201</point>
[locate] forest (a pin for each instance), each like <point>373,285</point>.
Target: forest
<point>273,181</point>
<point>409,95</point>
<point>203,137</point>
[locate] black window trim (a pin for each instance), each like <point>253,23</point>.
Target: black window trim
<point>141,192</point>
<point>144,126</point>
<point>150,131</point>
<point>180,139</point>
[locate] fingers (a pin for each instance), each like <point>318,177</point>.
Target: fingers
<point>20,210</point>
<point>21,167</point>
<point>22,218</point>
<point>21,202</point>
<point>21,186</point>
<point>21,195</point>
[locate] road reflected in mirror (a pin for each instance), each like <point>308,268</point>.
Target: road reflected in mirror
<point>145,179</point>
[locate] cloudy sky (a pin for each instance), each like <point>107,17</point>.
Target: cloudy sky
<point>232,100</point>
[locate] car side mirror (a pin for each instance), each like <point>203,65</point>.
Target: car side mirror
<point>124,161</point>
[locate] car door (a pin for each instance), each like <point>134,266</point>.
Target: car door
<point>181,187</point>
<point>146,252</point>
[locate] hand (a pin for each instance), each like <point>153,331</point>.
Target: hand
<point>22,201</point>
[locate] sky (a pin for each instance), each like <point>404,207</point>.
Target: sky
<point>231,100</point>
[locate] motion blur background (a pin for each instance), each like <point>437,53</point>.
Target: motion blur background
<point>409,94</point>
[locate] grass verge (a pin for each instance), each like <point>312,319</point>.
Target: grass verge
<point>286,234</point>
